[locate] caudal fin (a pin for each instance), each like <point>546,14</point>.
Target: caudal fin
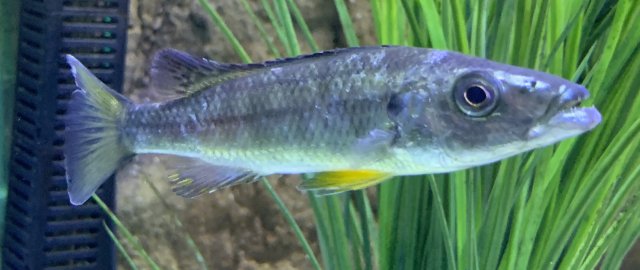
<point>93,143</point>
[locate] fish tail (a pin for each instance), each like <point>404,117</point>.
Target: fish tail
<point>93,143</point>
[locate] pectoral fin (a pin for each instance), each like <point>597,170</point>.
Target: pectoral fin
<point>326,183</point>
<point>191,177</point>
<point>376,142</point>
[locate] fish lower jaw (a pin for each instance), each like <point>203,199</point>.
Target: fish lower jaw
<point>576,118</point>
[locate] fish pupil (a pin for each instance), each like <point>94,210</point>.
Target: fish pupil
<point>475,95</point>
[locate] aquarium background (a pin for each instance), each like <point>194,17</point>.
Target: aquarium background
<point>243,228</point>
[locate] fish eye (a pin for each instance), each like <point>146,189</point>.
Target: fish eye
<point>476,94</point>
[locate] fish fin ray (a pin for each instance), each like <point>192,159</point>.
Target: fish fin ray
<point>311,56</point>
<point>93,146</point>
<point>326,183</point>
<point>176,74</point>
<point>191,177</point>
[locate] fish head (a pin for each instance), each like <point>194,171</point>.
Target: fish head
<point>473,111</point>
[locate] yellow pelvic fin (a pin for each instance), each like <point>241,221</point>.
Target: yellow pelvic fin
<point>340,181</point>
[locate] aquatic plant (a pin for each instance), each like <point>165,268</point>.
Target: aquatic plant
<point>573,205</point>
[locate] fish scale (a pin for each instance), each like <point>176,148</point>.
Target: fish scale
<point>263,111</point>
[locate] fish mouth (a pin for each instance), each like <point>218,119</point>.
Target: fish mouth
<point>568,113</point>
<point>565,116</point>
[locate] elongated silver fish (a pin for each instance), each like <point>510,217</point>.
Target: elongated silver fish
<point>355,117</point>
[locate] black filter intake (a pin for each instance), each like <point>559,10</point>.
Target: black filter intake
<point>43,231</point>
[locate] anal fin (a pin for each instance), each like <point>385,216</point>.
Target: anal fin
<point>191,177</point>
<point>326,183</point>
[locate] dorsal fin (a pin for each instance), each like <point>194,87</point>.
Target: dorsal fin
<point>176,73</point>
<point>327,53</point>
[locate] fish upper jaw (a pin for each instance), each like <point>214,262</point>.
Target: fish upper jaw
<point>564,115</point>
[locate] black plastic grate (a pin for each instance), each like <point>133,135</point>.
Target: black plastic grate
<point>43,231</point>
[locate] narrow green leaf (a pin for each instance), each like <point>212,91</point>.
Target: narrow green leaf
<point>460,25</point>
<point>176,221</point>
<point>263,33</point>
<point>347,24</point>
<point>294,225</point>
<point>225,30</point>
<point>303,26</point>
<point>434,24</point>
<point>366,221</point>
<point>119,246</point>
<point>277,25</point>
<point>127,234</point>
<point>282,9</point>
<point>448,240</point>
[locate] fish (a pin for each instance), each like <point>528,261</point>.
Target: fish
<point>350,117</point>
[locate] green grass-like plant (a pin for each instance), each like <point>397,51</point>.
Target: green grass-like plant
<point>573,205</point>
<point>569,206</point>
